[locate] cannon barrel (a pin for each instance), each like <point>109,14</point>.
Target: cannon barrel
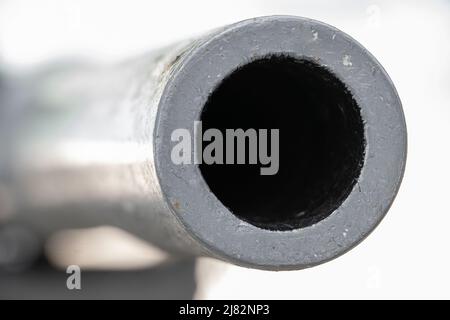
<point>85,145</point>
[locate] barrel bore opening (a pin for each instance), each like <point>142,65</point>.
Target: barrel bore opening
<point>321,142</point>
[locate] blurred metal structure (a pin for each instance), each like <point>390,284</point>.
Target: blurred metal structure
<point>85,145</point>
<point>171,281</point>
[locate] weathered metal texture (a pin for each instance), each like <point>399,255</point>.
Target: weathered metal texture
<point>91,146</point>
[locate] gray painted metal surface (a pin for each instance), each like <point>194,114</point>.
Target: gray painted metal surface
<point>90,145</point>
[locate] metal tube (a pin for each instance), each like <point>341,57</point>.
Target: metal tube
<point>87,145</point>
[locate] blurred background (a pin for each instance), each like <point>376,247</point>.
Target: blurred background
<point>407,256</point>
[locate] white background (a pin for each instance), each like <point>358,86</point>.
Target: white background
<point>407,256</point>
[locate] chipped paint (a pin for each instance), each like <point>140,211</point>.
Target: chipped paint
<point>346,60</point>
